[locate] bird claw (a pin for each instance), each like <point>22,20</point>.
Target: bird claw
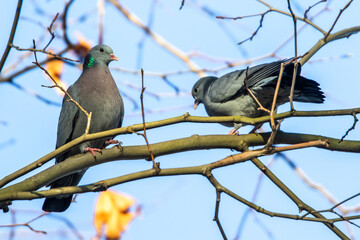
<point>112,141</point>
<point>256,127</point>
<point>92,150</point>
<point>233,132</point>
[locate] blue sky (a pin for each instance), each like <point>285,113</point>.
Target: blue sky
<point>182,207</point>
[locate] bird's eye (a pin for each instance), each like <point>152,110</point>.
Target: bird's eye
<point>195,90</point>
<point>101,50</point>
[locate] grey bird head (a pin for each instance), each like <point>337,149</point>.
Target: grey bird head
<point>199,89</point>
<point>99,55</point>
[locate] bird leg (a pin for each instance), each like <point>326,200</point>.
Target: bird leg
<point>233,132</point>
<point>92,150</point>
<point>256,127</point>
<point>111,141</point>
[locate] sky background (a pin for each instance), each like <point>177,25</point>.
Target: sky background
<point>182,207</point>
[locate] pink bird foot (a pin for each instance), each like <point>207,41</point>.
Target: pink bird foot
<point>92,150</point>
<point>233,132</point>
<point>112,141</point>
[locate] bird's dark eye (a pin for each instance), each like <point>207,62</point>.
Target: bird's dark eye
<point>101,50</point>
<point>195,90</point>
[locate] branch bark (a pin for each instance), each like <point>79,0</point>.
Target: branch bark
<point>185,118</point>
<point>195,142</point>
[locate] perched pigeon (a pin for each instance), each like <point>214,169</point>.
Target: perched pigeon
<point>96,92</point>
<point>228,95</point>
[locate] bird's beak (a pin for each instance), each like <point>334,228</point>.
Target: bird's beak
<point>113,57</point>
<point>196,103</point>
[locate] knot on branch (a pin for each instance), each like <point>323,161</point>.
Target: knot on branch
<point>99,186</point>
<point>186,115</point>
<point>156,168</point>
<point>5,206</point>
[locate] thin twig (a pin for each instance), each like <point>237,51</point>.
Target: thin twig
<point>271,139</point>
<point>44,51</point>
<point>35,94</point>
<point>337,18</point>
<point>216,216</point>
<point>101,13</point>
<point>88,115</point>
<point>27,224</point>
<point>293,80</point>
<point>155,165</point>
<point>321,189</point>
<point>182,4</point>
<point>345,33</point>
<point>256,31</point>
<point>11,37</point>
<point>300,204</point>
<point>273,106</point>
<point>296,54</point>
<point>307,10</point>
<point>51,32</point>
<point>64,24</point>
<point>351,128</point>
<point>159,39</point>
<point>251,93</point>
<point>298,18</point>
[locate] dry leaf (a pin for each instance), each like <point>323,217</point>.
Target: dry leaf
<point>55,69</point>
<point>83,46</point>
<point>112,213</point>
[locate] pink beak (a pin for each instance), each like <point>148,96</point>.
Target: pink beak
<point>113,57</point>
<point>196,103</point>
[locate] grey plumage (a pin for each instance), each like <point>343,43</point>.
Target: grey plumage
<point>96,92</point>
<point>228,96</point>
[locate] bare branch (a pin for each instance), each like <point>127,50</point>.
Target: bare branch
<point>159,39</point>
<point>351,128</point>
<point>182,4</point>
<point>216,216</point>
<point>345,33</point>
<point>57,56</point>
<point>300,204</point>
<point>337,18</point>
<point>51,32</point>
<point>12,34</point>
<point>155,165</point>
<point>27,224</point>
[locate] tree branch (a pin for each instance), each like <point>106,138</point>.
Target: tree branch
<point>345,33</point>
<point>79,162</point>
<point>347,146</point>
<point>12,34</point>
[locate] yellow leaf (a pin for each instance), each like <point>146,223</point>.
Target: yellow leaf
<point>112,212</point>
<point>55,69</point>
<point>83,46</point>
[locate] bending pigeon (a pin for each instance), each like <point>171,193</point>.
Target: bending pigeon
<point>228,96</point>
<point>96,92</point>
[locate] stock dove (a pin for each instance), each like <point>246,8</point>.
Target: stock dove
<point>96,92</point>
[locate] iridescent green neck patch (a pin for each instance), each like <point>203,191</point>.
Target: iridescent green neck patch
<point>91,62</point>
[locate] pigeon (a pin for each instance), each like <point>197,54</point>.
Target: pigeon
<point>96,92</point>
<point>229,95</point>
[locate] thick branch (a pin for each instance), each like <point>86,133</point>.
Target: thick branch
<point>349,146</point>
<point>79,162</point>
<point>345,33</point>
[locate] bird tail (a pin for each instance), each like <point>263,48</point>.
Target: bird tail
<point>60,204</point>
<point>54,204</point>
<point>309,91</point>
